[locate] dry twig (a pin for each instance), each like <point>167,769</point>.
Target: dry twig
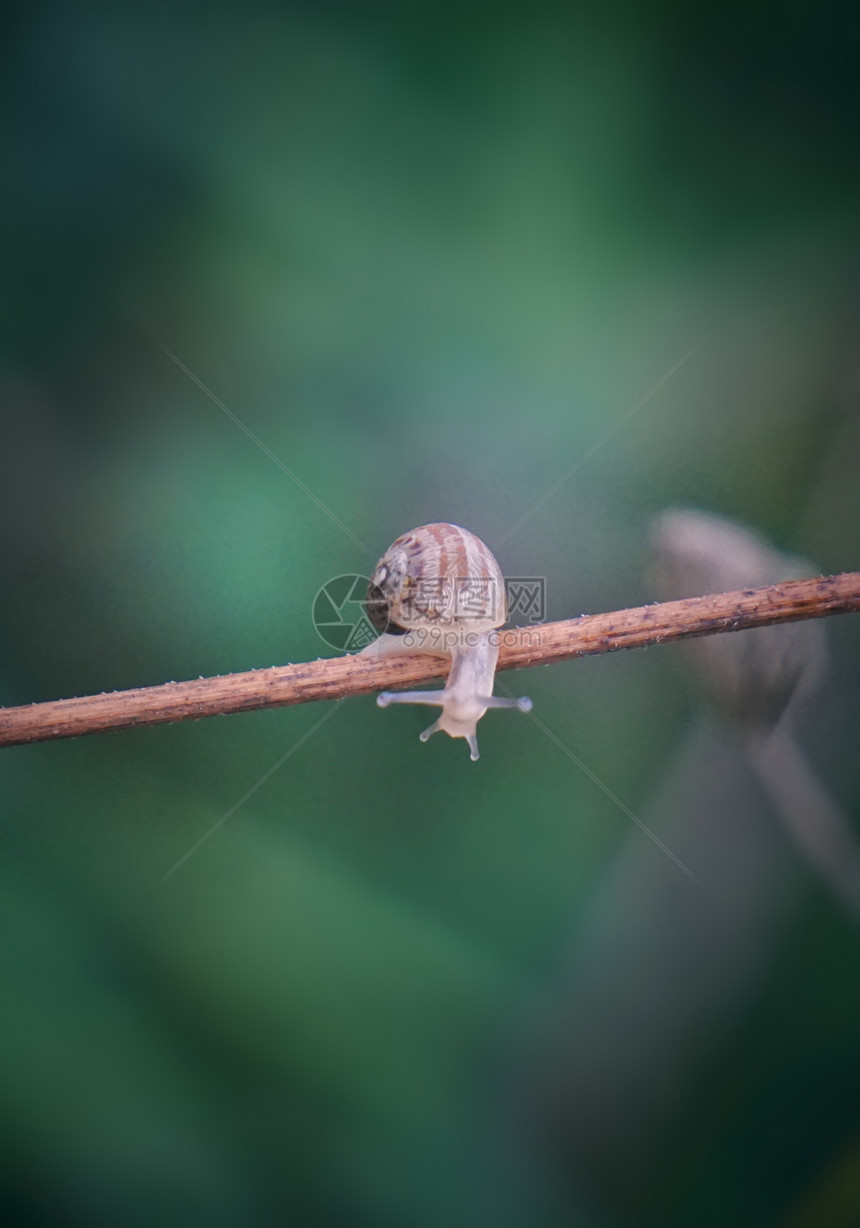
<point>356,675</point>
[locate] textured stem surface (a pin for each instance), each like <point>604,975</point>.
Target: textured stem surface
<point>337,677</point>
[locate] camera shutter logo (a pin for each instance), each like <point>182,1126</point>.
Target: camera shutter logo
<point>339,615</point>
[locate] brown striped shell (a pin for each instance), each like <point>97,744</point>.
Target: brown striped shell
<point>437,575</point>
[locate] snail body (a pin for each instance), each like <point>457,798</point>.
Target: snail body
<point>438,589</point>
<point>750,678</point>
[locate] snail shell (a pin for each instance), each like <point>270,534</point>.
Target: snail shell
<point>435,576</point>
<point>439,589</point>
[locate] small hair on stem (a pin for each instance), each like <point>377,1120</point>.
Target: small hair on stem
<point>362,674</point>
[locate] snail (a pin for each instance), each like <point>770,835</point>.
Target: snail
<point>438,589</point>
<point>751,678</point>
<point>759,680</point>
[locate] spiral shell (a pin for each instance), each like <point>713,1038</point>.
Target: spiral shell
<point>438,575</point>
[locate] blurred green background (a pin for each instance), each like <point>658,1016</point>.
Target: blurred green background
<point>429,254</point>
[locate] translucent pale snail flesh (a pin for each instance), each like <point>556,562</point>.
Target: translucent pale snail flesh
<point>438,589</point>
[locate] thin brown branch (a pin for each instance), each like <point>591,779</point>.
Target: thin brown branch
<point>357,675</point>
